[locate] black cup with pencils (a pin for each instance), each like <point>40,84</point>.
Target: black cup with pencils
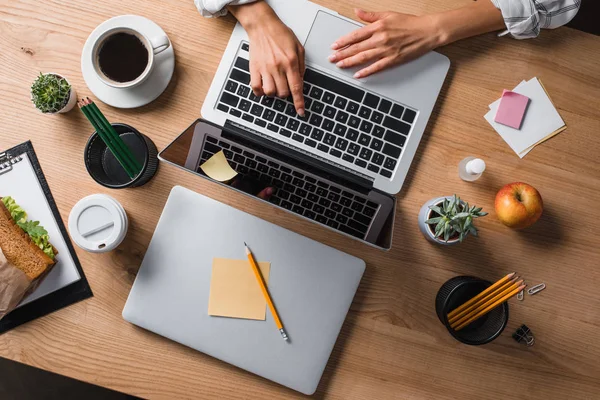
<point>117,156</point>
<point>475,311</point>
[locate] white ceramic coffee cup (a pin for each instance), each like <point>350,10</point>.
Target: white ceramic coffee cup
<point>155,45</point>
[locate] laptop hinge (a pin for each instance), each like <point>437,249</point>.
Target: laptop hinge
<point>286,152</point>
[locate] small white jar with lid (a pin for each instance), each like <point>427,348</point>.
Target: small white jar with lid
<point>98,223</point>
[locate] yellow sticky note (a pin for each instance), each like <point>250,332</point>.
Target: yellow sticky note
<point>218,168</point>
<point>234,291</point>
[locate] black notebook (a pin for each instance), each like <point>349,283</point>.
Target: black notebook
<point>21,177</point>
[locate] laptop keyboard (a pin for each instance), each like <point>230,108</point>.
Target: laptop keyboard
<point>343,121</point>
<point>299,192</point>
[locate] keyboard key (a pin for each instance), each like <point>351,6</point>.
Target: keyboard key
<point>376,144</point>
<point>409,116</point>
<point>293,124</point>
<point>312,197</point>
<point>279,105</point>
<point>310,187</point>
<point>323,193</point>
<point>222,107</point>
<point>385,173</point>
<point>301,192</point>
<point>306,204</point>
<point>310,179</point>
<point>347,212</point>
<point>281,119</point>
<point>306,88</point>
<point>316,120</point>
<point>328,98</point>
<point>391,150</point>
<point>371,204</point>
<point>298,210</point>
<point>269,115</point>
<point>283,194</point>
<point>263,168</point>
<point>340,130</point>
<point>211,148</point>
<point>328,125</point>
<point>395,138</point>
<point>297,138</point>
<point>242,63</point>
<point>323,148</point>
<point>397,111</point>
<point>364,112</point>
<point>364,139</point>
<point>354,122</point>
<point>285,132</point>
<point>289,187</point>
<point>396,125</point>
<point>353,149</point>
<point>340,102</point>
<point>290,110</point>
<point>329,112</point>
<point>366,126</point>
<point>346,202</point>
<point>317,134</point>
<point>369,212</point>
<point>240,76</point>
<point>341,117</point>
<point>231,86</point>
<point>353,107</point>
<point>329,213</point>
<point>250,163</point>
<point>390,163</point>
<point>323,201</point>
<point>335,153</point>
<point>229,99</point>
<point>371,100</point>
<point>318,209</point>
<point>254,98</point>
<point>351,231</point>
<point>377,159</point>
<point>333,224</point>
<point>309,214</point>
<point>362,218</point>
<point>329,139</point>
<point>243,91</point>
<point>335,189</point>
<point>341,144</point>
<point>341,219</point>
<point>256,110</point>
<point>273,128</point>
<point>336,207</point>
<point>317,107</point>
<point>261,159</point>
<point>295,199</point>
<point>366,154</point>
<point>245,105</point>
<point>333,85</point>
<point>316,93</point>
<point>378,131</point>
<point>360,200</point>
<point>373,168</point>
<point>228,154</point>
<point>310,142</point>
<point>235,113</point>
<point>307,103</point>
<point>377,117</point>
<point>348,158</point>
<point>305,129</point>
<point>334,197</point>
<point>212,139</point>
<point>385,106</point>
<point>260,122</point>
<point>358,226</point>
<point>267,101</point>
<point>287,178</point>
<point>352,134</point>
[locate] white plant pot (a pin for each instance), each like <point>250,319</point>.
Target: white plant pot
<point>424,215</point>
<point>72,97</point>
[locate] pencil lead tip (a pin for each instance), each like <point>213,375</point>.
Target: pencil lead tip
<point>245,244</point>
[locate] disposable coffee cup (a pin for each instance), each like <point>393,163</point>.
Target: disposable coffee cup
<point>458,291</point>
<point>124,57</point>
<point>106,170</point>
<point>98,223</point>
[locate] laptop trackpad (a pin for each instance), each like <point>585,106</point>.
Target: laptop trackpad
<point>326,29</point>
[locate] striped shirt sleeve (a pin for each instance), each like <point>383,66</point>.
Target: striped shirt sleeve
<point>525,18</point>
<point>216,8</point>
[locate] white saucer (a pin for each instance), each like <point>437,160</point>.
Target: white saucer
<point>140,95</point>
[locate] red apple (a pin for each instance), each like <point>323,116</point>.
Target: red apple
<point>518,205</point>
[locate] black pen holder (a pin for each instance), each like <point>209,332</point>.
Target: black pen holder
<point>104,168</point>
<point>456,292</point>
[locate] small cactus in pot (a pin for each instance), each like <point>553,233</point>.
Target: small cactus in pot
<point>52,94</point>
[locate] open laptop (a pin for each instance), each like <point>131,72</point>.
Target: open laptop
<point>340,165</point>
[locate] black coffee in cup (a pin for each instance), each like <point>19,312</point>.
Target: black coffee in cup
<point>123,57</point>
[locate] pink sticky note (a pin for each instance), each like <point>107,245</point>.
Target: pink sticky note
<point>511,109</point>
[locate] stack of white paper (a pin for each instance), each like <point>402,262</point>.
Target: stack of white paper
<point>540,123</point>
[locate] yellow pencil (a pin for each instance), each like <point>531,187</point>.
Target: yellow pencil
<point>265,292</point>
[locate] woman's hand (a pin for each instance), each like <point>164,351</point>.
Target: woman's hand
<point>390,39</point>
<point>276,55</point>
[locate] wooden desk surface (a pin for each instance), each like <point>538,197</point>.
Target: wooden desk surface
<point>392,344</point>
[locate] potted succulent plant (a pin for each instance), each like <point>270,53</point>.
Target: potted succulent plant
<point>448,220</point>
<point>52,94</point>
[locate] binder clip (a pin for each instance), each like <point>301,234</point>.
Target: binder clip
<point>524,335</point>
<point>6,162</point>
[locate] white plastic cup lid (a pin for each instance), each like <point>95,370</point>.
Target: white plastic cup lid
<point>98,223</point>
<point>476,166</point>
